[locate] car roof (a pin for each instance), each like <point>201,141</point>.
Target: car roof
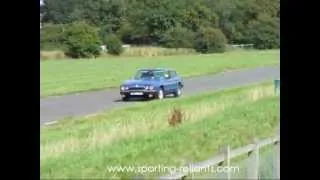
<point>156,69</point>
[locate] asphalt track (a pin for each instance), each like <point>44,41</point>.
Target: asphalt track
<point>56,108</point>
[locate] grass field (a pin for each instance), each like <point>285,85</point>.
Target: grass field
<point>69,76</point>
<point>140,135</point>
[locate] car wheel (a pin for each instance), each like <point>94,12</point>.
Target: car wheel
<point>125,98</point>
<point>160,94</point>
<point>178,92</point>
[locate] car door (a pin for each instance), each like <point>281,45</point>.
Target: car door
<point>166,82</point>
<point>174,81</point>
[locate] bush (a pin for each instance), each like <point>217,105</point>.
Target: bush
<point>113,44</point>
<point>210,40</point>
<point>82,41</point>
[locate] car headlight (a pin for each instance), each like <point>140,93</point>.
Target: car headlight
<point>123,88</point>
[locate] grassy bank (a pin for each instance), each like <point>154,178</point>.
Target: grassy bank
<point>140,135</point>
<point>61,77</point>
<point>267,159</point>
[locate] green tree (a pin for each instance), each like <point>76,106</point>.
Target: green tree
<point>154,22</point>
<point>52,37</point>
<point>95,12</point>
<point>82,40</point>
<point>178,37</point>
<point>196,15</point>
<point>107,13</point>
<point>60,11</point>
<point>264,32</point>
<point>235,16</point>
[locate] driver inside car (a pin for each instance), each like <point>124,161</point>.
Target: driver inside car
<point>166,76</point>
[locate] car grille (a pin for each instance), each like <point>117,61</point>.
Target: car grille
<point>136,88</point>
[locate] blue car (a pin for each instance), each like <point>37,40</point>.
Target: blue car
<point>153,83</point>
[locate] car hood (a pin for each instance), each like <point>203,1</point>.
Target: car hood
<point>140,82</point>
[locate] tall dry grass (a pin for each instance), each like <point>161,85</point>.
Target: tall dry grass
<point>52,55</point>
<point>156,51</point>
<point>129,52</point>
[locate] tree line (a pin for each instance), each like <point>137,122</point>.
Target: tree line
<point>80,26</point>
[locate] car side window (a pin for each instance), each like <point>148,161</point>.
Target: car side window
<point>173,74</point>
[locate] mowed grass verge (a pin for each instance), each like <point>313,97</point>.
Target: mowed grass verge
<point>140,135</point>
<point>70,76</point>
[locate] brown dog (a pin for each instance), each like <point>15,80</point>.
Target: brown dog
<point>176,117</point>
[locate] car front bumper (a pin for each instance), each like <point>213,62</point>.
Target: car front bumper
<point>137,93</point>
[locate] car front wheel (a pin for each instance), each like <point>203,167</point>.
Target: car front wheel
<point>125,98</point>
<point>178,92</point>
<point>160,94</point>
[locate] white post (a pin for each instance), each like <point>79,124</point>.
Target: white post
<point>277,160</point>
<point>227,160</point>
<point>253,162</point>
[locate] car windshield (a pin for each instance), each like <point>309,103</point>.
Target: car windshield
<point>149,75</point>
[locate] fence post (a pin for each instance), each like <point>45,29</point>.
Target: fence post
<point>226,152</point>
<point>253,161</point>
<point>277,160</point>
<point>277,86</point>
